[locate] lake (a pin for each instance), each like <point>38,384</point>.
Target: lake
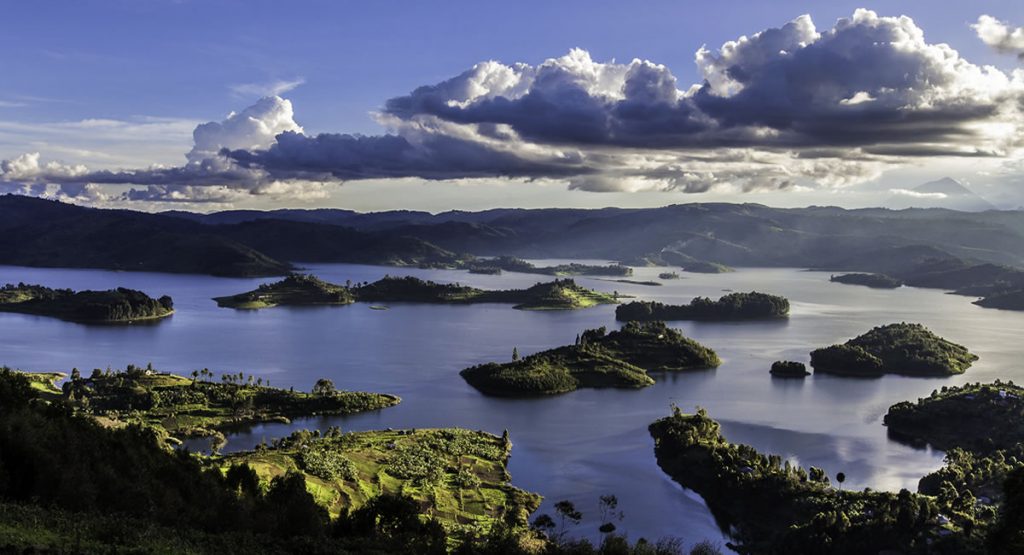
<point>577,446</point>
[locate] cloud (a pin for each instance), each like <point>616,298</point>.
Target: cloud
<point>272,88</point>
<point>918,194</point>
<point>1000,35</point>
<point>253,128</point>
<point>787,108</point>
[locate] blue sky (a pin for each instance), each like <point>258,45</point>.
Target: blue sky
<point>173,64</point>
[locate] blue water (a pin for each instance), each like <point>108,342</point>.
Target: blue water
<point>576,446</point>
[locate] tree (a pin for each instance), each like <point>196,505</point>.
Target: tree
<point>515,353</point>
<point>841,477</point>
<point>323,388</point>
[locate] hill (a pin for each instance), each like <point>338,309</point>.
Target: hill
<point>621,359</point>
<point>734,306</point>
<point>905,349</point>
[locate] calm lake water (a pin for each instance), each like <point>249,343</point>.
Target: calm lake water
<point>576,446</point>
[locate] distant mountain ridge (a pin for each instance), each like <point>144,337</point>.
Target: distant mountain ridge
<point>942,193</point>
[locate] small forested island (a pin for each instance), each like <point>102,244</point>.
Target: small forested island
<point>905,349</point>
<point>789,369</point>
<point>485,270</point>
<point>204,404</point>
<point>976,417</point>
<point>734,306</point>
<point>621,358</point>
<point>668,275</point>
<point>560,294</point>
<point>116,306</point>
<point>876,281</point>
<point>703,267</point>
<point>455,476</point>
<point>513,264</point>
<point>294,290</point>
<point>772,506</point>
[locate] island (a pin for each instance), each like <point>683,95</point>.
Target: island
<point>975,417</point>
<point>734,306</point>
<point>204,405</point>
<point>704,267</point>
<point>770,505</point>
<point>904,349</point>
<point>621,359</point>
<point>293,290</point>
<point>789,369</point>
<point>297,290</point>
<point>875,281</point>
<point>485,270</point>
<point>116,306</point>
<point>456,476</point>
<point>668,275</point>
<point>513,264</point>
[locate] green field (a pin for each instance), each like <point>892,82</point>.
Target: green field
<point>457,476</point>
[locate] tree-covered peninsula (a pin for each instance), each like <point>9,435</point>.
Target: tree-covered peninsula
<point>560,294</point>
<point>975,417</point>
<point>704,267</point>
<point>116,306</point>
<point>875,281</point>
<point>734,306</point>
<point>621,358</point>
<point>204,404</point>
<point>772,506</point>
<point>905,349</point>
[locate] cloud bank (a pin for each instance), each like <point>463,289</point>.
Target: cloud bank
<point>783,109</point>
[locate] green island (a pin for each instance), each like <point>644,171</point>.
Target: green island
<point>201,406</point>
<point>905,349</point>
<point>513,264</point>
<point>99,307</point>
<point>976,417</point>
<point>789,369</point>
<point>704,267</point>
<point>733,306</point>
<point>299,290</point>
<point>772,506</point>
<point>74,483</point>
<point>485,270</point>
<point>668,275</point>
<point>875,281</point>
<point>633,282</point>
<point>621,358</point>
<point>457,477</point>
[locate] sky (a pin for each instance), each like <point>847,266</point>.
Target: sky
<point>214,104</point>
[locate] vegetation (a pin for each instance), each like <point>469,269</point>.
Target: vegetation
<point>789,369</point>
<point>512,264</point>
<point>772,506</point>
<point>1006,300</point>
<point>560,294</point>
<point>296,289</point>
<point>72,485</point>
<point>620,358</point>
<point>876,281</point>
<point>456,477</point>
<point>668,275</point>
<point>733,306</point>
<point>906,349</point>
<point>977,417</point>
<point>702,267</point>
<point>114,306</point>
<point>200,405</point>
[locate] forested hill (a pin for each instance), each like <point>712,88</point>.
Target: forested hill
<point>37,232</point>
<point>976,253</point>
<point>733,234</point>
